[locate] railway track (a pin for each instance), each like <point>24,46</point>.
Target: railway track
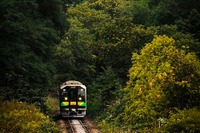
<point>77,126</point>
<point>73,126</point>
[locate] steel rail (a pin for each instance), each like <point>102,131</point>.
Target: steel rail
<point>78,127</point>
<point>84,126</point>
<point>71,125</point>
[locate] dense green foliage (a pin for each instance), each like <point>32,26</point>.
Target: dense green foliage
<point>139,59</point>
<point>184,121</point>
<point>52,106</point>
<point>29,32</point>
<point>20,117</point>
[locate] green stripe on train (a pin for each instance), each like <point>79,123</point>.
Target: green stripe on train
<point>64,104</point>
<point>82,104</point>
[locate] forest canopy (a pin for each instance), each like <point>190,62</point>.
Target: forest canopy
<point>138,58</point>
<point>29,32</point>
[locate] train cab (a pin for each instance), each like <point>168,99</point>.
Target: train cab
<point>73,102</point>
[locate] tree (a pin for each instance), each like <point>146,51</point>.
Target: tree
<point>26,50</point>
<point>115,36</point>
<point>162,77</point>
<point>169,11</point>
<point>53,11</point>
<point>191,24</point>
<point>73,57</point>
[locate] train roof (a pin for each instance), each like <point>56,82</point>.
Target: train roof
<point>72,83</point>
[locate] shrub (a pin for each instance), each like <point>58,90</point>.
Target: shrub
<point>186,120</point>
<point>93,109</point>
<point>52,104</point>
<point>22,118</point>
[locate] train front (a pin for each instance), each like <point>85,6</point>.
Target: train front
<point>73,99</point>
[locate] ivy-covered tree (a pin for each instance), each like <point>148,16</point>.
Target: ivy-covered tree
<point>163,77</point>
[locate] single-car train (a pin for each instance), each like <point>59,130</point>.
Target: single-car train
<point>73,99</point>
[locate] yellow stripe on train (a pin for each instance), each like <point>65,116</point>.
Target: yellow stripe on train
<point>74,103</point>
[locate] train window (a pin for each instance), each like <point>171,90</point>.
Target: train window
<point>65,93</point>
<point>81,94</point>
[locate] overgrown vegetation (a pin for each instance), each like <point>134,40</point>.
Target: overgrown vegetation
<point>139,59</point>
<point>52,105</point>
<point>164,71</point>
<point>29,32</point>
<point>162,78</point>
<point>21,117</point>
<point>186,120</point>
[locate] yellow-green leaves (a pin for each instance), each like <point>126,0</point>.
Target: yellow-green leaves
<point>161,77</point>
<point>20,117</point>
<point>186,120</point>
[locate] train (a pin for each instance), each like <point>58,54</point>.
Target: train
<point>73,99</point>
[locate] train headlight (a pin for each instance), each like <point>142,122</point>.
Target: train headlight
<point>66,98</point>
<point>80,98</point>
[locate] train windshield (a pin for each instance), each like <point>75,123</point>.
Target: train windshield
<point>73,93</point>
<point>81,94</point>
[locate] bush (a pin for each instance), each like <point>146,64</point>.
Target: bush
<point>186,120</point>
<point>20,117</point>
<point>93,109</point>
<point>52,104</point>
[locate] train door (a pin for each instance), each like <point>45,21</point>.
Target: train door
<point>73,98</point>
<point>69,100</point>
